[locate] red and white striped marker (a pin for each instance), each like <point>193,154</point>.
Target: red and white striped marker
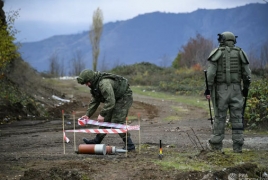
<point>65,138</point>
<point>83,122</point>
<point>119,128</point>
<point>99,131</point>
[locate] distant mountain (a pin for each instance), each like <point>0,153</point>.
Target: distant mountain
<point>154,37</point>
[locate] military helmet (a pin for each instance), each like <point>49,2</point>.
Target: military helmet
<point>85,76</point>
<point>227,36</point>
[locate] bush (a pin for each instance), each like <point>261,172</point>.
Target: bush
<point>191,81</point>
<point>256,114</point>
<point>187,81</point>
<point>184,81</point>
<point>144,73</point>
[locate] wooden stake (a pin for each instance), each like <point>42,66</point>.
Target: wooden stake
<point>126,137</point>
<point>139,132</point>
<point>74,130</point>
<point>63,131</point>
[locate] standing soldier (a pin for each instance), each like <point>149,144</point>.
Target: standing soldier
<point>115,93</point>
<point>228,77</point>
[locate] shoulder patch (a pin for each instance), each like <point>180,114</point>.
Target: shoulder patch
<point>215,54</point>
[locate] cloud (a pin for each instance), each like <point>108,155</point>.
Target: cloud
<point>81,10</point>
<point>39,19</point>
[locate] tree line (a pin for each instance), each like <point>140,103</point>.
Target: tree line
<point>196,51</point>
<point>193,54</point>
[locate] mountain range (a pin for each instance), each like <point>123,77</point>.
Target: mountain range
<point>153,37</point>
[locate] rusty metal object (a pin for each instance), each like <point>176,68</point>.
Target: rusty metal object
<point>92,149</point>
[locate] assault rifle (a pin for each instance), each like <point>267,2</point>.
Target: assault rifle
<point>243,111</point>
<point>207,91</point>
<point>244,108</point>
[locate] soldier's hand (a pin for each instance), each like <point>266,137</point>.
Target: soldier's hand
<point>85,117</point>
<point>207,92</point>
<point>245,92</point>
<point>100,118</point>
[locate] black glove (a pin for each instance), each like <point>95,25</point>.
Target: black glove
<point>207,92</point>
<point>245,92</point>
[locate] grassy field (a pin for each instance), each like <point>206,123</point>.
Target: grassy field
<point>195,160</point>
<point>197,101</point>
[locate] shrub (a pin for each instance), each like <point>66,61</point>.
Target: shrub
<point>256,114</point>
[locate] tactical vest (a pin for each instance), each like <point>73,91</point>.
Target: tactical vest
<point>120,87</point>
<point>229,66</point>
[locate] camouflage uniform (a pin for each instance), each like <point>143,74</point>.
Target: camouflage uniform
<point>228,67</point>
<point>115,93</point>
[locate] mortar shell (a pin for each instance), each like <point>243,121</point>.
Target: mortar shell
<point>92,149</point>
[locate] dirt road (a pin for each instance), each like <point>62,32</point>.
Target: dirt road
<point>34,149</point>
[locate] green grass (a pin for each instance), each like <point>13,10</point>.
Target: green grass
<point>67,85</point>
<point>170,118</point>
<point>264,132</point>
<point>210,161</point>
<point>149,91</point>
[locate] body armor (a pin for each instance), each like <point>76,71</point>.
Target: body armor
<point>120,85</point>
<point>229,66</point>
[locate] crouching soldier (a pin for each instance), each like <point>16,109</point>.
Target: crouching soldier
<point>115,93</point>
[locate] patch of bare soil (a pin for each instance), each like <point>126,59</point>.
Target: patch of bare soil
<point>34,149</point>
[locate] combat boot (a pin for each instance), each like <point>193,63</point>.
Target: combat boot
<point>96,140</point>
<point>237,148</point>
<point>214,148</point>
<point>130,145</point>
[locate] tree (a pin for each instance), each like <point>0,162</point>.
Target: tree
<point>176,62</point>
<point>254,61</point>
<point>8,50</point>
<point>54,65</point>
<point>264,54</point>
<point>258,59</point>
<point>196,51</point>
<point>164,61</point>
<point>62,68</point>
<point>95,36</point>
<point>104,65</point>
<point>77,63</point>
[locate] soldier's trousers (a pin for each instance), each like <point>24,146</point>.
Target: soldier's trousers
<point>228,98</point>
<point>120,112</point>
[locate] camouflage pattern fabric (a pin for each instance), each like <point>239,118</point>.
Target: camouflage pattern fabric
<point>120,111</point>
<point>116,96</point>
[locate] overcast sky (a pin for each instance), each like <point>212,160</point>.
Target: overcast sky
<point>76,15</point>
